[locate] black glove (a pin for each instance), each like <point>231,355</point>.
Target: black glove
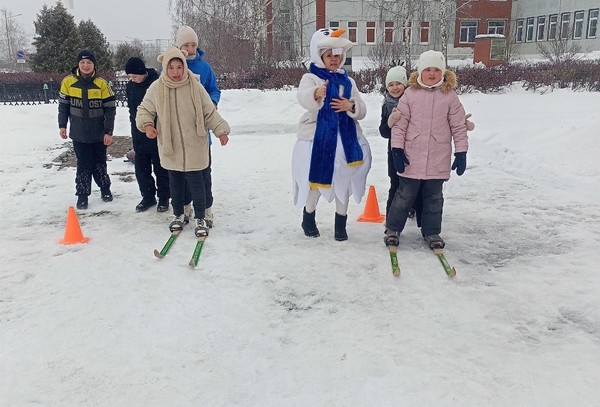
<point>399,159</point>
<point>460,163</point>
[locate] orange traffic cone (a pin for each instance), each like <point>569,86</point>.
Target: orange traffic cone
<point>73,233</point>
<point>371,213</point>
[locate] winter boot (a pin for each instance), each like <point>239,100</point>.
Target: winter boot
<point>188,213</point>
<point>434,241</point>
<point>340,227</point>
<point>209,217</point>
<point>163,205</point>
<point>145,204</point>
<point>106,195</point>
<point>82,202</point>
<point>177,223</point>
<point>309,225</point>
<point>201,228</point>
<point>391,238</point>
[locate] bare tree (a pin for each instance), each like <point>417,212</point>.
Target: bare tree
<point>229,28</point>
<point>444,29</point>
<point>560,49</point>
<point>12,36</point>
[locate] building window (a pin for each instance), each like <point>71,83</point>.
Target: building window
<point>565,23</point>
<point>424,34</point>
<point>552,26</point>
<point>578,26</point>
<point>592,23</point>
<point>388,33</point>
<point>284,16</point>
<point>334,24</point>
<point>370,32</point>
<point>286,43</point>
<point>496,27</point>
<point>352,30</point>
<point>519,30</point>
<point>529,29</point>
<point>468,31</point>
<point>541,28</point>
<point>407,32</point>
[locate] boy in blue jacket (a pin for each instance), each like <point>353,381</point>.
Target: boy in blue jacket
<point>187,40</point>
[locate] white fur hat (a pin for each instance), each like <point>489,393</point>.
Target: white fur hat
<point>396,74</point>
<point>169,54</point>
<point>433,59</point>
<point>186,34</point>
<point>328,38</point>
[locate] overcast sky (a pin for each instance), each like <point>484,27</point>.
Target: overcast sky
<point>119,20</point>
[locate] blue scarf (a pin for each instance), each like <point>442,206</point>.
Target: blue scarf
<point>328,124</point>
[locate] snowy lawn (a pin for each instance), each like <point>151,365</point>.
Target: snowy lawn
<point>272,318</point>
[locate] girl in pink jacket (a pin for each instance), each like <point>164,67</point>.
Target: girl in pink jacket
<point>432,119</point>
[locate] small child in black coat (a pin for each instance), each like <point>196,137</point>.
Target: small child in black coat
<point>146,149</point>
<point>395,84</point>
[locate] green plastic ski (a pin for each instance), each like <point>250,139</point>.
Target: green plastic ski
<point>167,245</point>
<point>197,251</point>
<point>450,271</point>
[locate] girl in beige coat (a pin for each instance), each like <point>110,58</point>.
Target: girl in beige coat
<point>183,113</point>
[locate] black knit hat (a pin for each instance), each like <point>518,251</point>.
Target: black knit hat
<point>135,66</point>
<point>86,54</point>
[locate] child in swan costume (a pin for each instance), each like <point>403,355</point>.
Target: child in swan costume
<point>331,156</point>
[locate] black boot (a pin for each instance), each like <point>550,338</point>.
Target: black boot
<point>145,204</point>
<point>82,202</point>
<point>308,224</point>
<point>340,227</point>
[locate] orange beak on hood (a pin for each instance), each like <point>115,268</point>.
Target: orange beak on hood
<point>338,33</point>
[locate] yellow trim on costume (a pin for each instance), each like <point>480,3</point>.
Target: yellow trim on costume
<point>315,185</point>
<point>356,163</point>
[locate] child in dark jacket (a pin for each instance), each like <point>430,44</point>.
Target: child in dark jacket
<point>395,84</point>
<point>88,103</point>
<point>146,149</point>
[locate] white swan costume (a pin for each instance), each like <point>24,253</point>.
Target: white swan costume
<point>347,180</point>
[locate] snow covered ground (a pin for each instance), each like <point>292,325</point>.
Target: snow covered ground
<point>272,318</point>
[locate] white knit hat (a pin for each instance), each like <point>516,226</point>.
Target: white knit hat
<point>186,34</point>
<point>396,74</point>
<point>430,59</point>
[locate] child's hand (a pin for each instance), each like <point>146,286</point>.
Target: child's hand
<point>394,117</point>
<point>460,163</point>
<point>341,105</point>
<point>151,132</point>
<point>224,139</point>
<point>400,160</point>
<point>108,139</point>
<point>470,124</point>
<point>321,91</point>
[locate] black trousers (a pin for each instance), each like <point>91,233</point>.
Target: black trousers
<point>91,163</point>
<point>193,181</point>
<point>405,197</point>
<point>145,163</point>
<point>207,176</point>
<point>394,183</point>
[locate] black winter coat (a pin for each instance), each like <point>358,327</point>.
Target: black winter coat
<point>389,103</point>
<point>135,95</point>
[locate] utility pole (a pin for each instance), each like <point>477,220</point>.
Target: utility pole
<point>9,39</point>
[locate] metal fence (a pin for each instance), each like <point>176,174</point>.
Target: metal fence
<point>14,94</point>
